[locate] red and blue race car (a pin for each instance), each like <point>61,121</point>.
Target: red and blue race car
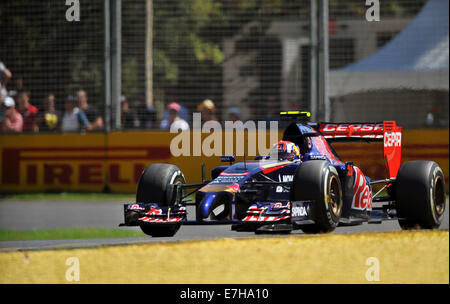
<point>302,184</point>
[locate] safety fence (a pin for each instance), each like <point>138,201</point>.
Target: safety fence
<point>249,58</point>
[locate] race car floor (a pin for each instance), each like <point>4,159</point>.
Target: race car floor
<point>51,214</point>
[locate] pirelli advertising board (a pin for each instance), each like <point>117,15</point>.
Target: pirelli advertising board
<point>97,162</point>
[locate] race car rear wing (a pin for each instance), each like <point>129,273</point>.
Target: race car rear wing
<point>387,132</point>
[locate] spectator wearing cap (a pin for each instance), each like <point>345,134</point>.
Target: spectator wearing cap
<point>183,113</point>
<point>12,121</point>
<point>92,114</point>
<point>174,121</point>
<point>74,119</point>
<point>207,110</point>
<point>28,111</point>
<point>49,120</point>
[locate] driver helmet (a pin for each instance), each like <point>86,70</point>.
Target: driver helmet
<point>285,150</point>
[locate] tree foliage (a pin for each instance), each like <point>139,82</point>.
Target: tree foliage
<point>48,54</point>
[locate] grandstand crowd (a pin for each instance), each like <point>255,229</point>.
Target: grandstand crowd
<point>19,114</point>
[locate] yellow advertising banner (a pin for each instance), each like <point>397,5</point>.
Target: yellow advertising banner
<point>97,162</point>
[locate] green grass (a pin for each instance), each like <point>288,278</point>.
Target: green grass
<point>66,233</point>
<point>69,196</point>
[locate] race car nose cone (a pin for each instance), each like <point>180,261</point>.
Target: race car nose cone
<point>205,205</point>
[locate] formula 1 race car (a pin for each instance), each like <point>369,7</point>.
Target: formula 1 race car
<point>302,184</point>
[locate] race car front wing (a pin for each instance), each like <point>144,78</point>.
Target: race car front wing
<point>258,215</point>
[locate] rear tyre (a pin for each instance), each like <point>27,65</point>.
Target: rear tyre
<point>156,186</point>
<point>319,181</point>
<point>420,195</point>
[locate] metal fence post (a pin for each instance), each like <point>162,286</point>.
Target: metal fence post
<point>107,66</point>
<point>313,59</point>
<point>323,60</point>
<point>116,60</point>
<point>149,53</point>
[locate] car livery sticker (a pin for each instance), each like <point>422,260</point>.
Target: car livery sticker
<point>365,130</point>
<point>362,195</point>
<point>322,146</point>
<point>227,179</point>
<point>273,212</point>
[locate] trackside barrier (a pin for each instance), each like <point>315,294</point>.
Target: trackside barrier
<point>95,162</point>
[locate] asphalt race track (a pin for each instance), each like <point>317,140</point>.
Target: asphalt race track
<point>42,214</point>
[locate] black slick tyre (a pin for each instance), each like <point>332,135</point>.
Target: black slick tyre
<point>156,186</point>
<point>319,181</point>
<point>420,195</point>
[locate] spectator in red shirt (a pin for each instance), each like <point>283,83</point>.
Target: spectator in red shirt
<point>28,111</point>
<point>12,121</point>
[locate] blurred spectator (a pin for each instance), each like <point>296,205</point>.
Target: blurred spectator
<point>233,114</point>
<point>12,121</point>
<point>147,117</point>
<point>183,113</point>
<point>146,114</point>
<point>207,110</point>
<point>128,116</point>
<point>5,75</point>
<point>28,111</point>
<point>74,119</point>
<point>174,121</point>
<point>93,115</point>
<point>435,118</point>
<point>49,119</point>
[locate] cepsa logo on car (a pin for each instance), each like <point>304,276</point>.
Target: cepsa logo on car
<point>393,139</point>
<point>356,127</point>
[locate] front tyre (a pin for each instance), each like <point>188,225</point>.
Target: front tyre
<point>420,195</point>
<point>161,230</point>
<point>156,186</point>
<point>319,181</point>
